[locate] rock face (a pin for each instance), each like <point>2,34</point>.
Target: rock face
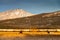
<point>44,20</point>
<point>12,14</point>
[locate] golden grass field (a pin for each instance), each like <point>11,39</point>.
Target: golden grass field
<point>26,32</point>
<point>14,34</point>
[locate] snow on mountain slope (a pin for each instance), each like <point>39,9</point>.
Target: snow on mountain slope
<point>17,13</point>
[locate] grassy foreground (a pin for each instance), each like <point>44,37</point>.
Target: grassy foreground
<point>24,34</point>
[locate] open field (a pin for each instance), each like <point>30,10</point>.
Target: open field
<point>24,34</point>
<point>29,37</point>
<point>32,34</point>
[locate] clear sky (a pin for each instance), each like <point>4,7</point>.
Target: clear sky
<point>33,6</point>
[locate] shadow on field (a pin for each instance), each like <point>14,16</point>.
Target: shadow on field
<point>32,38</point>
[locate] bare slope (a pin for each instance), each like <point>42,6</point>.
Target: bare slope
<point>45,20</point>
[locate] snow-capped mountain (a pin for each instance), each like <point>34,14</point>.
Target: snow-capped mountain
<point>12,14</point>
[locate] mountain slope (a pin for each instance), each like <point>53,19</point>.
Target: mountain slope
<point>12,14</point>
<point>44,20</point>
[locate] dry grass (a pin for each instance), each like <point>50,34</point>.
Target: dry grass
<point>11,34</point>
<point>24,34</point>
<point>31,36</point>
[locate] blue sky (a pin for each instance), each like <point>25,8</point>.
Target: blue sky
<point>33,6</point>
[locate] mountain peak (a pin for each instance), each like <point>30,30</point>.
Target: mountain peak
<point>19,10</point>
<point>17,13</point>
